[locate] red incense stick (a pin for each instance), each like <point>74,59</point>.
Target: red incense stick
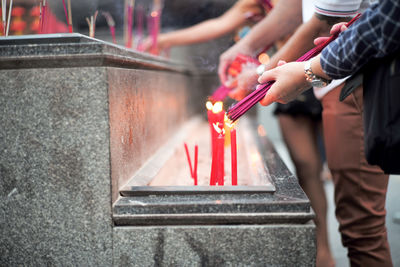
<point>188,158</point>
<point>253,98</point>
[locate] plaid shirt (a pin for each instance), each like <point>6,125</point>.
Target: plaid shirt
<point>376,34</point>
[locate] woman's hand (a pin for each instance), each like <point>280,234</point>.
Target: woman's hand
<point>289,80</point>
<point>226,59</point>
<point>337,28</point>
<point>246,82</point>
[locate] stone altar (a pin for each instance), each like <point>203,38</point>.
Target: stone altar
<point>81,120</point>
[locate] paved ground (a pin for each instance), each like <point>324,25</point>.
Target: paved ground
<point>392,202</point>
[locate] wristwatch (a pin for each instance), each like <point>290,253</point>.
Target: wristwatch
<point>315,80</point>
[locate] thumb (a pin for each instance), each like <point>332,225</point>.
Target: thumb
<point>267,76</point>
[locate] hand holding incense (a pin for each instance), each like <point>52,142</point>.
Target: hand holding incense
<point>253,98</point>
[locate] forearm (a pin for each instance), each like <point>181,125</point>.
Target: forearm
<point>202,32</point>
<point>284,18</point>
<point>374,35</point>
<point>301,41</point>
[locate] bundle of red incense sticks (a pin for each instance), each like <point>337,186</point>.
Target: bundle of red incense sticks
<point>253,98</point>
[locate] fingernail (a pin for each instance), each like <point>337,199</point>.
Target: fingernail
<point>258,86</point>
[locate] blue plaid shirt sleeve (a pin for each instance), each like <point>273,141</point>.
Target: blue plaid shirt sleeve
<point>375,34</point>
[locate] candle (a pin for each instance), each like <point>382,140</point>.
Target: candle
<point>139,27</point>
<point>189,161</point>
<point>233,156</point>
<point>70,27</point>
<point>220,158</point>
<point>111,25</point>
<point>65,11</point>
<point>211,120</point>
<point>130,23</point>
<point>155,25</point>
<point>231,126</point>
<point>9,17</point>
<point>196,158</point>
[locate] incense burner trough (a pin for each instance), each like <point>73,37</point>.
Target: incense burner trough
<point>93,170</point>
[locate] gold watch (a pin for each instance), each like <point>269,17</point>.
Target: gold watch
<point>315,80</point>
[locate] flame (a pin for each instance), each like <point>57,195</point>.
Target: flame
<point>228,122</point>
<point>218,129</point>
<point>217,108</point>
<point>209,105</point>
<point>154,14</point>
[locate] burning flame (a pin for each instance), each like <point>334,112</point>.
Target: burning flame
<point>228,122</point>
<point>217,108</point>
<point>218,129</point>
<point>154,14</point>
<point>209,105</point>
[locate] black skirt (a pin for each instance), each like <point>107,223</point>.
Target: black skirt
<point>305,105</point>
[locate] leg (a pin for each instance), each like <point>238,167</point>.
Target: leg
<point>360,189</point>
<point>300,136</point>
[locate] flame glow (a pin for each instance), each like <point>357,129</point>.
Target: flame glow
<point>154,14</point>
<point>263,58</point>
<point>228,122</point>
<point>217,108</point>
<point>209,105</point>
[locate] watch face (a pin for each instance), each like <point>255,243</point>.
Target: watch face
<point>318,83</point>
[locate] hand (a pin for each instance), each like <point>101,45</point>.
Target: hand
<point>289,82</point>
<point>337,28</point>
<point>246,82</point>
<point>161,43</point>
<point>227,58</point>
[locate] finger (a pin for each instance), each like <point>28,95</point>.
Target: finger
<point>222,70</point>
<point>281,62</point>
<point>320,40</point>
<point>336,28</point>
<point>269,98</point>
<point>267,76</point>
<point>343,28</point>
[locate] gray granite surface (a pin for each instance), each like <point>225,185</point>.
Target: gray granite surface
<point>54,167</point>
<point>235,245</point>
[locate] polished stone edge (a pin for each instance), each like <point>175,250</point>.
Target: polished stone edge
<point>182,190</point>
<point>212,219</point>
<point>76,50</point>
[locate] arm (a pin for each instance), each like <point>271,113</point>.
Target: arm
<point>284,18</point>
<point>206,30</point>
<point>374,35</point>
<point>297,45</point>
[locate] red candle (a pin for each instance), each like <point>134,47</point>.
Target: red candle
<point>211,120</point>
<point>196,157</point>
<point>220,158</point>
<point>233,156</point>
<point>188,158</point>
